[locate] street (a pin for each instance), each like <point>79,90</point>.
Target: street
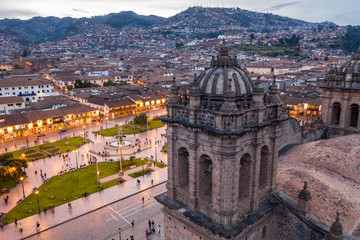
<point>104,223</point>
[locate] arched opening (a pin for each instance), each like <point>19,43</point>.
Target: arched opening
<point>264,167</point>
<point>336,113</point>
<point>244,178</point>
<point>183,168</point>
<point>205,176</point>
<point>263,235</point>
<point>354,117</point>
<point>27,99</point>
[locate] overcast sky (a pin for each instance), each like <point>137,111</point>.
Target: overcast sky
<point>342,12</point>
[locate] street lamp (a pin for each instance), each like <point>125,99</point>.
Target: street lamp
<point>37,198</point>
<point>120,145</point>
<point>142,164</point>
<point>77,167</point>
<point>119,233</point>
<point>27,142</point>
<point>53,142</point>
<point>98,178</point>
<point>84,135</point>
<point>22,183</point>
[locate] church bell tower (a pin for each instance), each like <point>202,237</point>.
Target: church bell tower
<point>223,143</point>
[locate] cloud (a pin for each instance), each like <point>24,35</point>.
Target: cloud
<point>280,6</point>
<point>79,10</point>
<point>17,13</point>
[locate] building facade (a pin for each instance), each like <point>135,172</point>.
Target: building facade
<point>341,97</point>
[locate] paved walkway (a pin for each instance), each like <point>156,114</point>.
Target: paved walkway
<point>82,206</point>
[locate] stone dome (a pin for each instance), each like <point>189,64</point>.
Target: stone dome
<point>353,65</point>
<point>224,69</point>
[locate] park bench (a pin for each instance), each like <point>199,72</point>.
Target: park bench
<point>23,147</point>
<point>133,166</point>
<point>3,224</point>
<point>46,141</point>
<point>4,190</point>
<point>2,214</point>
<point>19,202</point>
<point>49,208</point>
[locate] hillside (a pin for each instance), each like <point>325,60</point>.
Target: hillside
<point>41,29</point>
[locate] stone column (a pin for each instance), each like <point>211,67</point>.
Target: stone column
<point>172,163</point>
<point>193,176</point>
<point>344,112</point>
<point>255,168</point>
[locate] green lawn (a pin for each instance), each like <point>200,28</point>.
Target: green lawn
<point>131,128</point>
<point>68,187</point>
<point>41,151</point>
<point>8,184</point>
<point>140,173</point>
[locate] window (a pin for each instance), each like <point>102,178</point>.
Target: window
<point>32,87</point>
<point>19,87</point>
<point>13,93</point>
<point>10,105</point>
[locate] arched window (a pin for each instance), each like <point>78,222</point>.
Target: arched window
<point>263,232</point>
<point>183,168</point>
<point>336,113</point>
<point>264,167</point>
<point>354,117</point>
<point>244,178</point>
<point>205,176</point>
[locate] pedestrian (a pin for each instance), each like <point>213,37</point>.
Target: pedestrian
<point>15,221</point>
<point>132,223</point>
<point>44,210</point>
<point>69,206</point>
<point>37,225</point>
<point>45,175</point>
<point>131,237</point>
<point>149,223</point>
<point>153,230</point>
<point>5,149</point>
<point>159,229</point>
<point>20,227</point>
<point>143,199</point>
<point>148,198</point>
<point>40,171</point>
<point>35,172</point>
<point>153,223</point>
<point>6,199</point>
<point>152,182</point>
<point>147,233</point>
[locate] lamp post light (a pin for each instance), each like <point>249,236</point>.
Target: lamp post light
<point>22,184</point>
<point>83,135</point>
<point>98,178</point>
<point>53,142</point>
<point>119,233</point>
<point>37,198</point>
<point>76,158</point>
<point>120,145</point>
<point>142,164</point>
<point>27,142</point>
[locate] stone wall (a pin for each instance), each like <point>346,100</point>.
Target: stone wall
<point>290,133</point>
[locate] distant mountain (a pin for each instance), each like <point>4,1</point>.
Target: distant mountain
<point>215,17</point>
<point>41,29</point>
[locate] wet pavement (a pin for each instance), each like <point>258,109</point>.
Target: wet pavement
<point>99,215</point>
<point>52,166</point>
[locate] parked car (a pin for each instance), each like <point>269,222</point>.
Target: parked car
<point>63,130</point>
<point>41,135</point>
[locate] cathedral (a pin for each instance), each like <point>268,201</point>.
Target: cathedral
<point>224,136</point>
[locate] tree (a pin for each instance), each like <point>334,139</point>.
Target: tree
<point>351,41</point>
<point>140,119</point>
<point>11,168</point>
<point>252,37</point>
